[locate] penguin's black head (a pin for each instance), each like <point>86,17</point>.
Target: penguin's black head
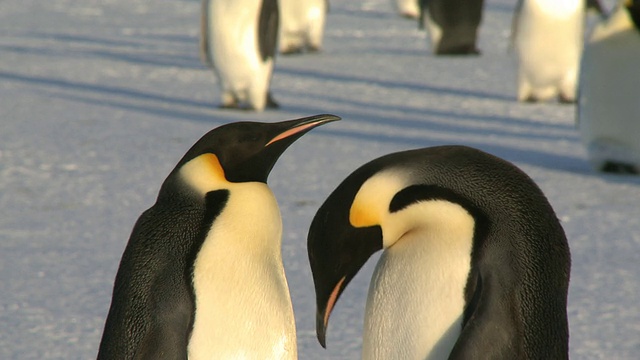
<point>247,151</point>
<point>337,248</point>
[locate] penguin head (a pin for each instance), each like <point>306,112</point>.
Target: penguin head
<point>365,213</point>
<point>242,151</point>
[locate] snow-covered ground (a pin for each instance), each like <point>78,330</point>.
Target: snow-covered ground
<point>100,98</point>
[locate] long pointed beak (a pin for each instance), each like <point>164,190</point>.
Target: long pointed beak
<point>300,126</point>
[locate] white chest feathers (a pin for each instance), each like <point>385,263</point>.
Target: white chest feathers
<point>416,297</point>
<point>243,308</point>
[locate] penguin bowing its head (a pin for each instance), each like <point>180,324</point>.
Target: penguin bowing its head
<point>475,262</point>
<point>202,276</point>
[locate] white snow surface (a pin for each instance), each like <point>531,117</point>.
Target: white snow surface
<point>100,98</point>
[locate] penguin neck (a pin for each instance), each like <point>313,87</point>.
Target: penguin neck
<point>242,304</point>
<point>416,299</point>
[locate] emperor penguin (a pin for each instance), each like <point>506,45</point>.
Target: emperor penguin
<point>475,263</point>
<point>608,103</point>
<point>302,25</point>
<point>452,25</point>
<point>407,8</point>
<point>202,276</point>
<point>548,36</point>
<point>238,41</point>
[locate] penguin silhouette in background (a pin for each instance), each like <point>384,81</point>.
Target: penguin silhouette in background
<point>475,264</point>
<point>452,25</point>
<point>202,276</point>
<point>609,102</point>
<point>302,25</point>
<point>548,37</point>
<point>238,40</point>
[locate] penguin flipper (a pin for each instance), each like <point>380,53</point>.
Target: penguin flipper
<point>151,312</point>
<point>268,25</point>
<point>490,339</point>
<point>205,49</point>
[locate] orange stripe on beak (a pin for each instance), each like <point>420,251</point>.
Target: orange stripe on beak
<point>290,132</point>
<point>332,301</point>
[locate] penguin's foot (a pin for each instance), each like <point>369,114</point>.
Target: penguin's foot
<point>409,15</point>
<point>313,49</point>
<point>292,50</point>
<point>271,102</point>
<point>564,99</point>
<point>616,167</point>
<point>235,106</point>
<point>230,105</point>
<point>459,50</point>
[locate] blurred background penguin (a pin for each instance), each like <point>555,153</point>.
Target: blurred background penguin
<point>238,40</point>
<point>302,25</point>
<point>609,102</point>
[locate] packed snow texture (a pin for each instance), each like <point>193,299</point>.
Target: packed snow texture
<point>100,99</point>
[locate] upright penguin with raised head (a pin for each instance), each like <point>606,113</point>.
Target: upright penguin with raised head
<point>238,41</point>
<point>475,261</point>
<point>202,276</point>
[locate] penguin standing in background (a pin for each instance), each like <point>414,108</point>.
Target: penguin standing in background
<point>475,262</point>
<point>407,8</point>
<point>202,274</point>
<point>548,38</point>
<point>302,25</point>
<point>452,25</point>
<point>238,40</point>
<point>608,103</point>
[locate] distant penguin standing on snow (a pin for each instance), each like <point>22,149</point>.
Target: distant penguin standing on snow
<point>302,25</point>
<point>202,274</point>
<point>452,25</point>
<point>548,38</point>
<point>609,97</point>
<point>238,40</point>
<point>407,8</point>
<point>475,263</point>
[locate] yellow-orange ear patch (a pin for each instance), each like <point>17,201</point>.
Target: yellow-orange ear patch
<point>212,162</point>
<point>361,215</point>
<point>371,203</point>
<point>204,173</point>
